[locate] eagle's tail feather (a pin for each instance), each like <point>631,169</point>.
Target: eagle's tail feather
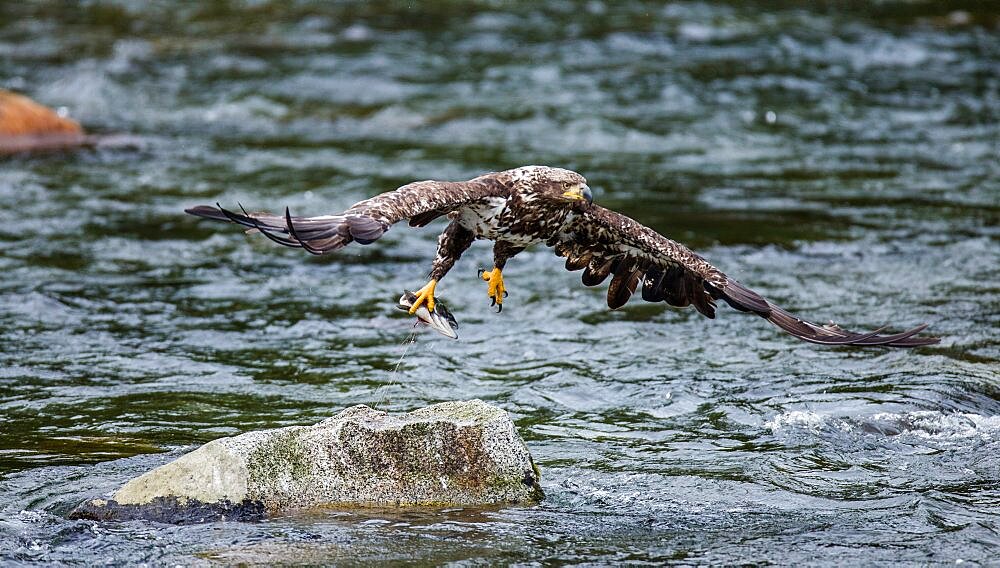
<point>208,212</point>
<point>747,300</point>
<point>317,235</point>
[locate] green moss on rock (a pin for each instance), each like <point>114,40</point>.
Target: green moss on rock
<point>448,454</point>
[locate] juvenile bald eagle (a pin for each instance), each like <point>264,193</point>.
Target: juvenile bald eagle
<point>537,204</point>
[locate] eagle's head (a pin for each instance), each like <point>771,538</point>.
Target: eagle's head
<point>558,184</point>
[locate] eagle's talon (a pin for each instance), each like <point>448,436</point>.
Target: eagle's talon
<point>425,295</point>
<point>496,289</point>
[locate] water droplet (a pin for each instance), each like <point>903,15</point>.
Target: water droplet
<point>770,117</point>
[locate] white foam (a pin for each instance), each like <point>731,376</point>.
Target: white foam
<point>925,424</point>
<point>804,418</point>
<point>932,424</point>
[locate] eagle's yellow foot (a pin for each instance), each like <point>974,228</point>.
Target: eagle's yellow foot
<point>425,295</point>
<point>496,290</point>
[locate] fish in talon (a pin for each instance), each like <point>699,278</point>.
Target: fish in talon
<point>439,319</point>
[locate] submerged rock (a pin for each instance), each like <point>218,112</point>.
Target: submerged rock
<point>170,510</point>
<point>26,125</point>
<point>453,453</point>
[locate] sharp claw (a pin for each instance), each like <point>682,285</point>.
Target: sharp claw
<point>496,290</point>
<point>424,297</point>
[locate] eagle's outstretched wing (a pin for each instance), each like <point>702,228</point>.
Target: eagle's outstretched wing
<point>604,243</point>
<point>421,202</point>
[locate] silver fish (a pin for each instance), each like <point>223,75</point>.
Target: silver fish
<point>440,320</point>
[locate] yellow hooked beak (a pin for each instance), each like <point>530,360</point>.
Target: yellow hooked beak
<point>579,192</point>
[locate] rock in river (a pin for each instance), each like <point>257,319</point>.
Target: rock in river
<point>26,125</point>
<point>453,453</point>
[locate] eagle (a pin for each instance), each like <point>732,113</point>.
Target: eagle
<point>525,206</point>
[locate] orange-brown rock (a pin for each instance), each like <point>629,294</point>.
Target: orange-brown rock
<point>26,125</point>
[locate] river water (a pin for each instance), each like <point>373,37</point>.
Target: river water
<point>841,160</point>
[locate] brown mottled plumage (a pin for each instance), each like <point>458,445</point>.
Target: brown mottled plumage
<point>524,206</point>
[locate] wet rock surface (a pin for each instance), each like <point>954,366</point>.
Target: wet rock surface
<point>170,510</point>
<point>453,453</point>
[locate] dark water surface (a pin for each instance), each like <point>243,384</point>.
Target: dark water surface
<point>844,162</point>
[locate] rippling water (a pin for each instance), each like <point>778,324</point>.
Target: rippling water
<point>841,161</point>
